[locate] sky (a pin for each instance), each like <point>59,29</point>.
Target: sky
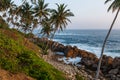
<point>90,14</point>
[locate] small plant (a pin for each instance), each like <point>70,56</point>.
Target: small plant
<point>78,77</point>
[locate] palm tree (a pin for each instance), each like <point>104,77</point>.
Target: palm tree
<point>114,6</point>
<point>46,32</point>
<point>5,4</point>
<point>26,17</point>
<point>60,17</point>
<point>41,11</point>
<point>46,28</point>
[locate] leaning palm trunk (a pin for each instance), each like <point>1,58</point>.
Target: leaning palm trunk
<point>104,43</point>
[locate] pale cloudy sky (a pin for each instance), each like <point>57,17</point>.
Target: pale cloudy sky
<point>89,14</point>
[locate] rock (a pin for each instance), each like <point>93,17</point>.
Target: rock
<point>118,76</point>
<point>94,66</point>
<point>116,62</point>
<point>59,48</point>
<point>106,65</point>
<point>113,71</point>
<point>107,60</point>
<point>89,63</point>
<point>110,76</point>
<point>67,50</point>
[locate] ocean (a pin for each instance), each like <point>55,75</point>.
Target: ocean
<point>91,40</point>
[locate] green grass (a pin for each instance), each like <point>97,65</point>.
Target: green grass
<point>15,57</point>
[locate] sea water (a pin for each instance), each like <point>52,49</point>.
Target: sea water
<point>91,40</point>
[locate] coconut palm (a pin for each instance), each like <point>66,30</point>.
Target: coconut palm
<point>5,4</point>
<point>46,28</point>
<point>41,11</point>
<point>60,17</point>
<point>114,6</point>
<point>26,17</point>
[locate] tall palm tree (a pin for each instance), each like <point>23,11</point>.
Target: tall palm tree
<point>114,6</point>
<point>26,17</point>
<point>41,10</point>
<point>60,17</point>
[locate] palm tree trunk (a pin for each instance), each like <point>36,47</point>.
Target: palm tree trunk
<point>104,43</point>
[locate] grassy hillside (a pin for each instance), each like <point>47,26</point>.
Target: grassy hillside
<point>15,57</point>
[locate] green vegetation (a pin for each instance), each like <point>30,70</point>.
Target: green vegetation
<point>78,77</point>
<point>18,54</point>
<point>16,57</point>
<point>35,14</point>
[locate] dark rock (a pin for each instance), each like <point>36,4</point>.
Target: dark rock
<point>111,76</point>
<point>116,62</point>
<point>89,63</point>
<point>106,65</point>
<point>67,50</point>
<point>94,66</point>
<point>113,71</point>
<point>118,76</point>
<point>107,60</point>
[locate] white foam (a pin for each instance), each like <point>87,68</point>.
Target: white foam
<point>59,40</point>
<point>73,61</point>
<point>59,53</point>
<point>95,50</point>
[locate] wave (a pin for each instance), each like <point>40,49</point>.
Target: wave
<point>92,49</point>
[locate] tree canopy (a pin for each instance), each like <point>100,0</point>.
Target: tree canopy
<point>35,14</point>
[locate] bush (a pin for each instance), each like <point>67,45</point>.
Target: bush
<point>78,77</point>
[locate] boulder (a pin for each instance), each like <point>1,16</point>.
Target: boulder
<point>70,53</point>
<point>68,50</point>
<point>116,62</point>
<point>89,63</point>
<point>113,71</point>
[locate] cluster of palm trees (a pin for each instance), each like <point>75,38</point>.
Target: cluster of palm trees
<point>36,14</point>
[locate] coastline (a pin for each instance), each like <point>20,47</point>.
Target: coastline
<point>110,66</point>
<point>91,40</point>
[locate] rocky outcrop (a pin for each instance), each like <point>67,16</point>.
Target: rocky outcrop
<point>110,67</point>
<point>114,72</point>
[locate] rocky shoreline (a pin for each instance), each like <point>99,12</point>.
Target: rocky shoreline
<point>110,68</point>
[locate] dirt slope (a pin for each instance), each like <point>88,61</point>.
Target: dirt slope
<point>5,75</point>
